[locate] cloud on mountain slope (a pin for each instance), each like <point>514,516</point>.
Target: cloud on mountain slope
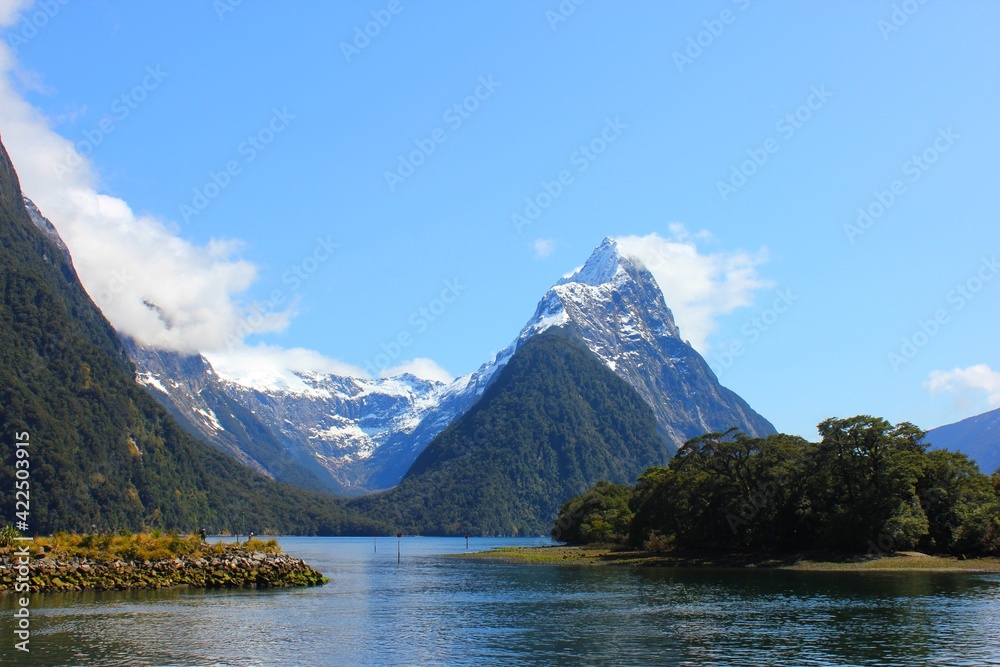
<point>699,286</point>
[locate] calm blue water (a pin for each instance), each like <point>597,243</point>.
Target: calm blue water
<point>438,611</point>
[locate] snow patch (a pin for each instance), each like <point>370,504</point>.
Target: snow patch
<point>604,266</point>
<point>211,421</point>
<point>269,380</point>
<point>150,380</point>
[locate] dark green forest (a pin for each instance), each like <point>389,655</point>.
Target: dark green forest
<point>102,451</point>
<point>555,420</point>
<point>867,487</point>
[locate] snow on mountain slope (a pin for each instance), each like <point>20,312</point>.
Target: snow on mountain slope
<point>340,428</point>
<point>46,228</point>
<point>358,435</point>
<point>614,306</point>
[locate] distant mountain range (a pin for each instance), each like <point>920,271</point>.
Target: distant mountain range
<point>555,420</point>
<point>978,437</point>
<point>354,435</point>
<point>598,385</point>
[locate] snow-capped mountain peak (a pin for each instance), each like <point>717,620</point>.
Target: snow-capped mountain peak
<point>615,307</point>
<point>607,264</point>
<point>602,284</point>
<point>358,434</point>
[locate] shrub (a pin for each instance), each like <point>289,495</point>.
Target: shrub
<point>657,543</point>
<point>7,535</point>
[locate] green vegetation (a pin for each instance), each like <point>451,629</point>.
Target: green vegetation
<point>554,421</point>
<point>70,562</point>
<point>105,456</point>
<point>605,515</point>
<point>598,555</point>
<point>139,547</point>
<point>867,487</point>
<point>102,451</point>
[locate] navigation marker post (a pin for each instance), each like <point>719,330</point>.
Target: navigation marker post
<point>399,538</point>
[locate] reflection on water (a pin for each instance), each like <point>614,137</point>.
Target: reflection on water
<point>437,611</point>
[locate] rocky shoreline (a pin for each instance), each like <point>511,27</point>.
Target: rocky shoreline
<point>235,568</point>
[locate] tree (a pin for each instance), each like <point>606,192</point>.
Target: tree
<point>866,483</point>
<point>868,474</point>
<point>601,515</point>
<point>727,490</point>
<point>960,503</point>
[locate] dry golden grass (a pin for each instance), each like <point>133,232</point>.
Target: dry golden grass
<point>142,546</point>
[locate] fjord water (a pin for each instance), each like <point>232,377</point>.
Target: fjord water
<point>434,610</point>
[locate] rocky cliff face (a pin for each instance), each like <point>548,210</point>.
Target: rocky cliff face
<point>346,434</point>
<point>614,306</point>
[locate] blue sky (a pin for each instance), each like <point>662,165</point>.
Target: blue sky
<point>250,140</point>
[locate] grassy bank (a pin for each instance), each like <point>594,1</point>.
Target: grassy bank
<point>131,547</point>
<point>604,555</point>
<point>71,562</point>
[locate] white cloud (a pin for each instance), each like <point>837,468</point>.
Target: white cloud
<point>699,287</point>
<point>10,9</point>
<point>270,367</point>
<point>543,248</point>
<point>151,284</point>
<point>266,367</point>
<point>966,382</point>
<point>421,367</point>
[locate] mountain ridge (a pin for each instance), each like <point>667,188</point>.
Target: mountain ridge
<point>555,421</point>
<point>360,435</point>
<point>644,345</point>
<point>978,437</point>
<point>102,452</point>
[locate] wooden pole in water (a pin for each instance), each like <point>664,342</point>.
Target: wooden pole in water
<point>399,538</point>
